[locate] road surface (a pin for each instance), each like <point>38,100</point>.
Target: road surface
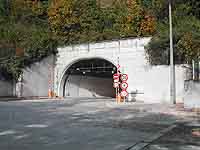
<point>86,124</point>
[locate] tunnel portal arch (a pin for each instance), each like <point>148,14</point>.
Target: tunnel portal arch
<point>88,77</point>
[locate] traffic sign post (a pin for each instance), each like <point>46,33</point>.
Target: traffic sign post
<point>116,84</point>
<point>120,84</point>
<point>116,80</point>
<point>124,85</point>
<point>124,93</point>
<point>124,77</point>
<point>116,76</point>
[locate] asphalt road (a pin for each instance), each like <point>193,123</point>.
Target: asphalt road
<point>84,124</point>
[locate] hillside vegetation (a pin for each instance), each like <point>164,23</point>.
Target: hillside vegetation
<point>33,29</point>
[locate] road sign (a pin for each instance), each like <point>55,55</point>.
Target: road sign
<point>124,77</point>
<point>115,84</point>
<point>124,93</point>
<point>116,80</point>
<point>124,85</point>
<point>116,76</point>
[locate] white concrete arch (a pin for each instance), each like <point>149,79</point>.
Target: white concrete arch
<point>130,53</point>
<point>84,58</point>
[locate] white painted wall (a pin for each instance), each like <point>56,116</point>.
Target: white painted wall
<point>192,96</point>
<point>152,81</point>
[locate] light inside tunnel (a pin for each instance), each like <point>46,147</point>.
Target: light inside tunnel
<point>89,78</point>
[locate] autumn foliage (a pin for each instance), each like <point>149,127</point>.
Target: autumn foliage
<point>33,29</point>
<point>148,25</point>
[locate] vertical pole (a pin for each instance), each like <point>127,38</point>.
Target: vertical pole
<point>193,70</point>
<point>118,88</point>
<point>116,94</point>
<point>172,67</point>
<point>50,82</point>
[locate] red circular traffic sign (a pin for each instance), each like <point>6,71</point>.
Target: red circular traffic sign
<point>115,76</point>
<point>124,77</point>
<point>115,84</point>
<point>124,85</point>
<point>116,80</point>
<point>124,93</point>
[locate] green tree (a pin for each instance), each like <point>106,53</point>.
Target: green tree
<point>25,36</point>
<point>186,35</point>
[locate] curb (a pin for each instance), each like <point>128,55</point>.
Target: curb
<point>9,99</point>
<point>145,143</point>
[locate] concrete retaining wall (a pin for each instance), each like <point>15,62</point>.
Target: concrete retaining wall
<point>36,78</point>
<point>192,96</point>
<point>153,83</point>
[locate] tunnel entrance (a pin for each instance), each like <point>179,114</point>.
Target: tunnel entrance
<point>89,78</point>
